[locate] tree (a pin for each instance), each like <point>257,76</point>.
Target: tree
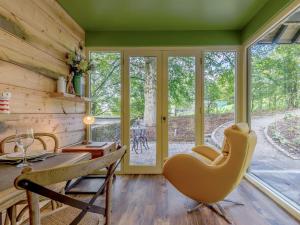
<point>219,75</point>
<point>106,84</point>
<point>275,71</point>
<point>275,77</point>
<point>181,84</point>
<point>150,91</point>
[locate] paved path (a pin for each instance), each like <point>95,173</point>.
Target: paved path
<point>265,155</point>
<point>269,164</point>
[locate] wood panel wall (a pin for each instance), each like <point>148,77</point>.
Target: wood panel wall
<point>35,36</point>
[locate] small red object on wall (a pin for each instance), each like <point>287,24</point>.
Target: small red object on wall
<point>4,102</point>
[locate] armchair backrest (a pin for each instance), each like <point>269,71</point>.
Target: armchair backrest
<point>239,147</point>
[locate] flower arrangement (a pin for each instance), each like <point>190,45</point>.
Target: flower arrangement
<point>79,67</point>
<point>78,63</point>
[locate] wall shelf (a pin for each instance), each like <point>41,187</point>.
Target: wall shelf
<point>69,97</point>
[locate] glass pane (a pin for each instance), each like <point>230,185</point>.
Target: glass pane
<point>143,73</point>
<point>181,108</point>
<point>106,96</point>
<point>275,116</point>
<point>219,87</point>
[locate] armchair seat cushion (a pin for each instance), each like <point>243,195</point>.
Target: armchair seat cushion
<point>206,151</point>
<point>202,158</point>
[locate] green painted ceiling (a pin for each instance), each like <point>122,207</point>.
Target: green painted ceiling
<point>162,15</point>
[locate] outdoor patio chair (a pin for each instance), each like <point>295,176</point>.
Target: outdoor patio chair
<point>139,139</point>
<point>208,176</point>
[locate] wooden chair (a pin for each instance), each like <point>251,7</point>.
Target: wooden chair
<point>35,182</point>
<point>37,136</point>
<point>12,216</point>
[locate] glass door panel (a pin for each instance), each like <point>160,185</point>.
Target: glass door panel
<point>219,94</point>
<point>105,91</point>
<point>181,103</point>
<point>143,105</point>
<point>142,112</point>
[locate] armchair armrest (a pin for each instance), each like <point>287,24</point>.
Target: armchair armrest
<point>206,151</point>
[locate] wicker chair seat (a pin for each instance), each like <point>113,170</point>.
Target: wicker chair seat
<point>66,214</point>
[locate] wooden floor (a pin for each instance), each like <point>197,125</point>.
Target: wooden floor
<point>151,200</point>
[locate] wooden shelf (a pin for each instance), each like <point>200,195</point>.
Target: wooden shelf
<point>69,97</point>
<point>8,117</point>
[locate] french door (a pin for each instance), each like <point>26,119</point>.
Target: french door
<point>142,82</point>
<point>160,103</point>
<point>162,98</point>
<point>182,94</point>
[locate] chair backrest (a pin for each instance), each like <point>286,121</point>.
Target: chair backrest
<point>239,147</point>
<point>37,136</point>
<point>65,173</point>
<point>34,183</point>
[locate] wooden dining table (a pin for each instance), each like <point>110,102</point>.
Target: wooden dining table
<point>10,196</point>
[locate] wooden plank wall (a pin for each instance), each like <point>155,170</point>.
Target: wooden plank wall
<point>35,36</point>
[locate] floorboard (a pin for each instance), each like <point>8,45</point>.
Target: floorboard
<point>151,200</point>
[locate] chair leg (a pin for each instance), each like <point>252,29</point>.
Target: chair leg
<point>12,214</point>
<point>53,204</point>
<point>221,212</point>
<point>21,213</point>
<point>6,220</point>
<point>233,202</point>
<point>195,208</point>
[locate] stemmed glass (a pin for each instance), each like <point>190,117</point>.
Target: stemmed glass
<point>23,141</point>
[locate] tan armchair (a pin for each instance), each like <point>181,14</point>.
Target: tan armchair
<point>208,176</point>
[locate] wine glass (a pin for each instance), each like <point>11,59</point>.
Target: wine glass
<point>23,141</point>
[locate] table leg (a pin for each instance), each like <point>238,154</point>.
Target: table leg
<point>108,198</point>
<point>12,214</point>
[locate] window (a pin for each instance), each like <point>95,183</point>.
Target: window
<point>275,116</point>
<point>106,96</point>
<point>219,94</point>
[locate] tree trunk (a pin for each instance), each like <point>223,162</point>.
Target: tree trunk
<point>150,91</point>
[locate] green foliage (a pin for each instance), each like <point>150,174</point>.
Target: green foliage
<point>181,85</point>
<point>137,79</point>
<point>219,74</point>
<point>106,84</point>
<point>275,77</point>
<point>78,63</point>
